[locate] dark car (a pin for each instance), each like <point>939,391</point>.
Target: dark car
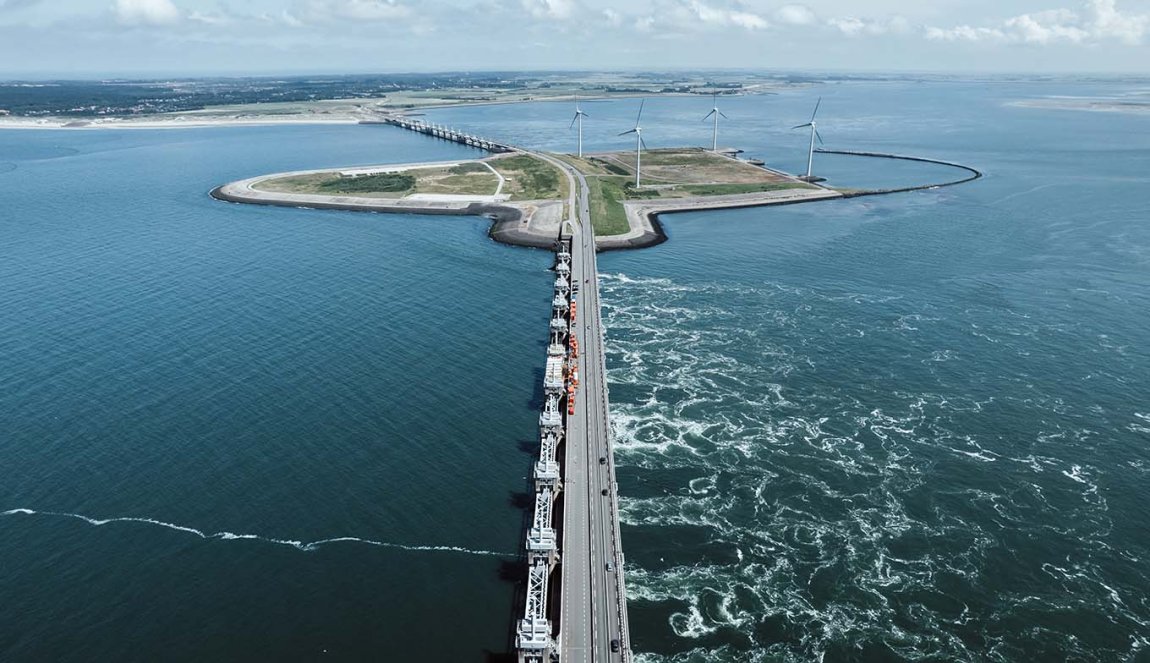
<point>615,645</point>
<point>602,460</point>
<point>604,491</point>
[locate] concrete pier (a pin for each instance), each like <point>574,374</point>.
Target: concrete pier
<point>442,132</point>
<point>575,466</point>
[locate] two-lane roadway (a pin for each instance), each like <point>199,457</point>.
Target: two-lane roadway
<point>593,620</point>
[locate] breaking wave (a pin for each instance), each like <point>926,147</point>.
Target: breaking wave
<point>305,546</point>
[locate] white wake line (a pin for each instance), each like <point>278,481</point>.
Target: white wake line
<point>230,536</point>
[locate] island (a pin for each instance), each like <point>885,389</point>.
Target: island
<point>527,193</point>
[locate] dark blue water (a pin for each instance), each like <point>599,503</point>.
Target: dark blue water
<point>253,380</point>
<point>904,428</point>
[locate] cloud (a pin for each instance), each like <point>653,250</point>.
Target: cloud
<point>13,5</point>
<point>287,18</point>
<point>147,12</point>
<point>553,9</point>
<point>210,18</point>
<point>714,16</point>
<point>353,10</point>
<point>1100,21</point>
<point>612,17</point>
<point>795,15</point>
<point>854,26</point>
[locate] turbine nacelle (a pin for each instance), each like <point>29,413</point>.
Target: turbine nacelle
<point>579,115</point>
<point>715,113</point>
<point>814,135</point>
<point>640,144</point>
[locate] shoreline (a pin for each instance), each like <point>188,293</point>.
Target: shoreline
<point>521,223</point>
<point>60,124</point>
<point>192,120</point>
<point>532,224</point>
<point>517,223</point>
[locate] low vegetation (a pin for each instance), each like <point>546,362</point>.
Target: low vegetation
<point>529,178</point>
<point>608,217</point>
<point>462,179</point>
<point>379,183</point>
<point>667,175</point>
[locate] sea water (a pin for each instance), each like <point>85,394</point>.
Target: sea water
<point>248,433</point>
<point>913,427</point>
<point>902,428</point>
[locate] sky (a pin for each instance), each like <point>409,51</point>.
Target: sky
<point>99,38</point>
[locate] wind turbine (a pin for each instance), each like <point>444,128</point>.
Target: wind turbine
<point>639,144</point>
<point>716,113</point>
<point>814,135</point>
<point>579,115</point>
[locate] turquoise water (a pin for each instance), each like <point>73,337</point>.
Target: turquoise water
<point>901,428</point>
<point>904,428</point>
<point>231,372</point>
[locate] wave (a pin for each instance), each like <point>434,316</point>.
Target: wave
<point>305,546</point>
<point>791,511</point>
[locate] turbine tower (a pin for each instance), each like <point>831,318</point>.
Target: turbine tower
<point>716,113</point>
<point>814,135</point>
<point>639,144</point>
<point>579,115</point>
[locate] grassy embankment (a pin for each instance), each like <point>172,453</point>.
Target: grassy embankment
<point>465,178</point>
<point>530,178</point>
<point>667,175</point>
<point>525,178</point>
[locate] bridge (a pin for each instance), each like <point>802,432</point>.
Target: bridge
<point>575,608</point>
<point>442,132</point>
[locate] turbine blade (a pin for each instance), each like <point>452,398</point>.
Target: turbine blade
<point>628,132</point>
<point>801,126</point>
<point>584,114</point>
<point>817,104</point>
<point>819,136</point>
<point>724,115</point>
<point>642,142</point>
<point>573,120</point>
<point>640,115</point>
<point>707,116</point>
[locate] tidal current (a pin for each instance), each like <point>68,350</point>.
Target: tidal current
<point>899,428</point>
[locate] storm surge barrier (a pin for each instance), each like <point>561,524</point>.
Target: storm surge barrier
<point>443,132</point>
<point>534,639</point>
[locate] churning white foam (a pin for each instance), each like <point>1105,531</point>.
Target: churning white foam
<point>305,546</point>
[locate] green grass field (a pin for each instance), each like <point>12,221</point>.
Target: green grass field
<point>381,183</point>
<point>466,178</point>
<point>529,178</point>
<point>682,173</point>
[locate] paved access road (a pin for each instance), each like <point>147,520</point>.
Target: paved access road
<point>593,613</point>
